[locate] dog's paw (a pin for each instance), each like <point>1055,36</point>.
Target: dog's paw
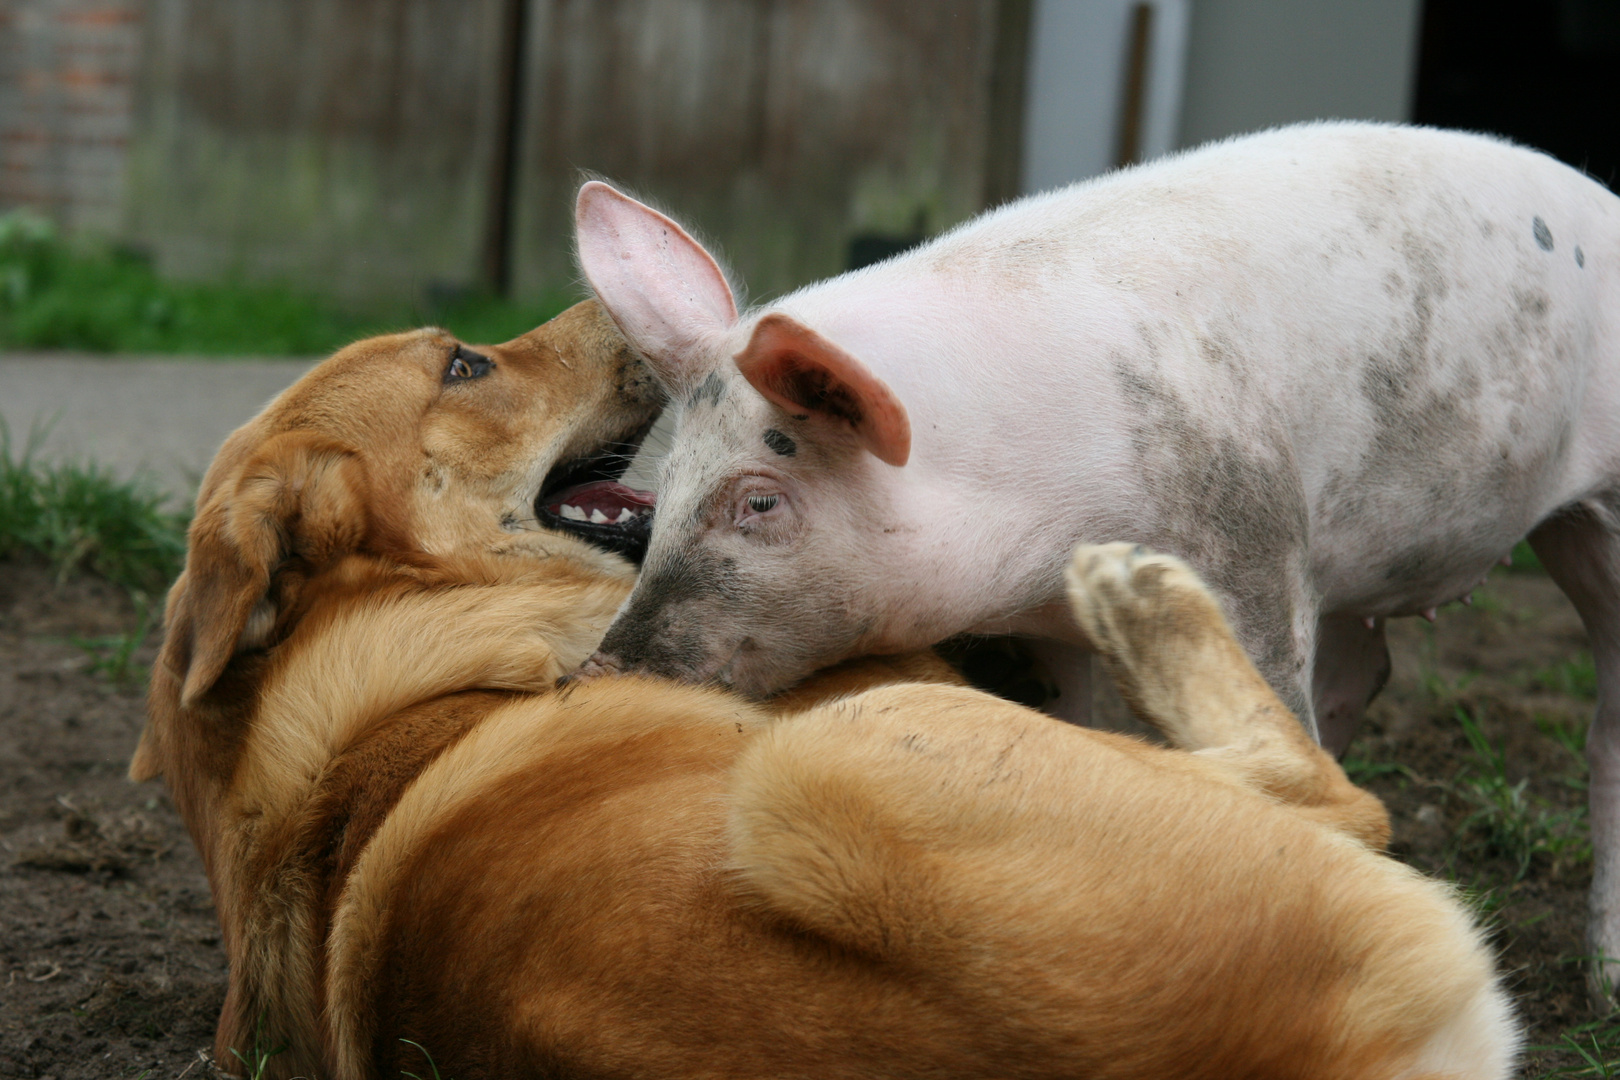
<point>1125,596</point>
<point>599,666</point>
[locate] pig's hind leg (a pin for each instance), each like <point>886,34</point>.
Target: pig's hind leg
<point>1581,550</point>
<point>1176,662</point>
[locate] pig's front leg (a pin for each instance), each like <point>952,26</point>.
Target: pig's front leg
<point>1352,666</point>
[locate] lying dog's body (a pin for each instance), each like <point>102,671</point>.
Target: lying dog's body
<point>411,836</point>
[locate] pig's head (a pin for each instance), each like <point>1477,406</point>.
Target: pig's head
<point>774,512</point>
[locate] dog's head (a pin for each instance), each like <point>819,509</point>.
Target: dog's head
<point>412,447</point>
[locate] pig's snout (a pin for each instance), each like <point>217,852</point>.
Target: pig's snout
<point>599,666</point>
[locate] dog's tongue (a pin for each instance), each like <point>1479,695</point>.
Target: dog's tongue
<point>602,503</point>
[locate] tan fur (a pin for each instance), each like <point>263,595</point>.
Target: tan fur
<point>411,834</point>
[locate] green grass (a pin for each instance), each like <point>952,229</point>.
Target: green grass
<point>84,517</point>
<point>1576,677</point>
<point>258,1057</point>
<point>1505,819</point>
<point>1571,735</point>
<point>1525,560</point>
<point>1596,1045</point>
<point>431,1063</point>
<point>1437,686</point>
<point>113,655</point>
<point>60,295</point>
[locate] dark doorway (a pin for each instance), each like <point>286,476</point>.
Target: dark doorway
<point>1545,73</point>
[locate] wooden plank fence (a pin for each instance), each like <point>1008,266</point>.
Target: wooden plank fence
<point>377,148</point>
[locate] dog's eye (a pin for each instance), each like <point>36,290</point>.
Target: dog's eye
<point>466,364</point>
<point>761,503</point>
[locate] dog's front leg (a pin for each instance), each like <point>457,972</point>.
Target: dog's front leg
<point>1175,660</point>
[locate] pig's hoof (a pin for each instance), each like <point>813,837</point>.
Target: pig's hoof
<point>1602,970</point>
<point>1126,597</point>
<point>598,666</point>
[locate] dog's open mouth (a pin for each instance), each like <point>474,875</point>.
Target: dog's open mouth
<point>584,497</point>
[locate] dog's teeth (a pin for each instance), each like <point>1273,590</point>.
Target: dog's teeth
<point>626,514</point>
<point>1368,621</point>
<point>573,513</point>
<point>597,517</point>
<point>1429,613</point>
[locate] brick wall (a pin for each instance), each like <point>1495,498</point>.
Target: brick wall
<point>67,73</point>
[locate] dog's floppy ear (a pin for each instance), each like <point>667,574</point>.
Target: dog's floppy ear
<point>297,496</point>
<point>798,369</point>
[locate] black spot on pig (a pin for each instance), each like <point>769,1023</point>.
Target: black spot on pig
<point>1543,235</point>
<point>781,443</point>
<point>1580,257</point>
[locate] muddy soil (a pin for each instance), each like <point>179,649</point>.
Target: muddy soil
<point>1503,815</point>
<point>110,961</point>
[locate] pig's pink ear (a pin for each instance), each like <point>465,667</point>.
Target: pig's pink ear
<point>665,292</point>
<point>801,371</point>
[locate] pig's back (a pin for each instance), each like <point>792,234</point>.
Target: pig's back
<point>1403,314</point>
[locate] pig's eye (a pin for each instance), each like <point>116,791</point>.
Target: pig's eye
<point>761,503</point>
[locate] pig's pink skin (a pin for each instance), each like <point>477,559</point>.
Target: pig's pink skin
<point>1339,368</point>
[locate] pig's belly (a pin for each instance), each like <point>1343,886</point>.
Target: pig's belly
<point>1400,537</point>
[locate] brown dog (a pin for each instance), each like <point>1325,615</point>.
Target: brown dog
<point>412,836</point>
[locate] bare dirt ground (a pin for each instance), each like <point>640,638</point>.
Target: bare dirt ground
<point>110,962</point>
<point>1503,815</point>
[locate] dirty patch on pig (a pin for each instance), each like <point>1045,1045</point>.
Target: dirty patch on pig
<point>1461,436</point>
<point>1230,502</point>
<point>661,631</point>
<point>711,389</point>
<point>782,444</point>
<point>1396,380</point>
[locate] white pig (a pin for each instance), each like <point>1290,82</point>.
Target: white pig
<point>1340,368</point>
